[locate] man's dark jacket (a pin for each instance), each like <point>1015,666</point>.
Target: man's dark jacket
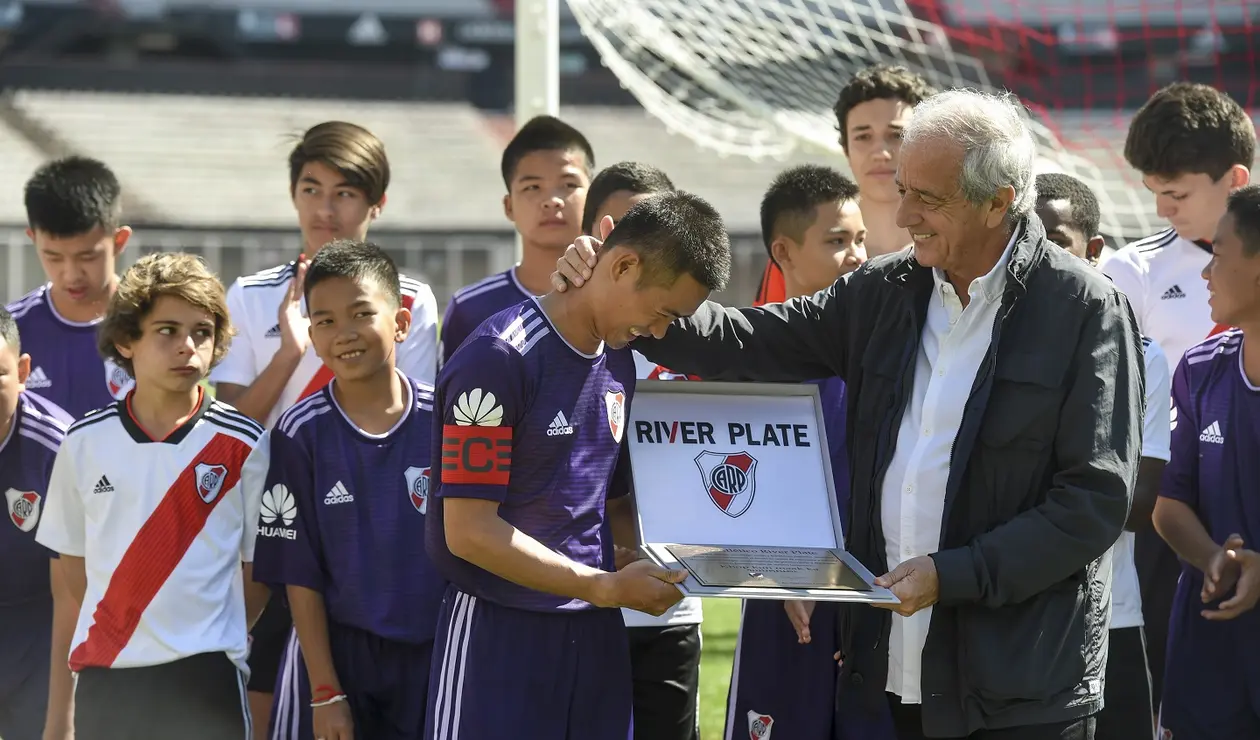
<point>1040,485</point>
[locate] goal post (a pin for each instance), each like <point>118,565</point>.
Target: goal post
<point>758,78</point>
<point>537,73</point>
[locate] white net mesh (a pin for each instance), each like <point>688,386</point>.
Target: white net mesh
<point>759,78</point>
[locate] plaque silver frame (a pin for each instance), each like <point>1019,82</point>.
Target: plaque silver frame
<point>659,552</point>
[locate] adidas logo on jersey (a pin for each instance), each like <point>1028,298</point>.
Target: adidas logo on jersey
<point>38,379</point>
<point>1173,292</point>
<point>560,426</point>
<point>103,486</point>
<point>273,332</point>
<point>1213,434</point>
<point>338,495</point>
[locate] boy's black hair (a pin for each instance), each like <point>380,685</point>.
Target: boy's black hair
<point>791,202</point>
<point>1188,128</point>
<point>633,177</point>
<point>878,82</point>
<point>9,331</point>
<point>676,233</point>
<point>356,260</point>
<point>1244,206</point>
<point>71,196</point>
<point>1085,212</point>
<point>543,134</point>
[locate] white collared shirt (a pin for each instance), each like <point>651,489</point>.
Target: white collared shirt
<point>952,346</point>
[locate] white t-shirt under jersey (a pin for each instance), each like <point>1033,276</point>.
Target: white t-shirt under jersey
<point>1126,595</point>
<point>1162,275</point>
<point>254,304</point>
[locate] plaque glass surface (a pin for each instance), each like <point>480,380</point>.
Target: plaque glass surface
<point>733,484</point>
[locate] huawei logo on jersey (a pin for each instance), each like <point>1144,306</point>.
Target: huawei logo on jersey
<point>477,408</point>
<point>277,514</point>
<point>477,448</point>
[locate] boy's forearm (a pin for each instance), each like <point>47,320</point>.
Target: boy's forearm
<point>59,718</point>
<point>487,541</point>
<point>256,596</point>
<point>1180,527</point>
<point>310,619</point>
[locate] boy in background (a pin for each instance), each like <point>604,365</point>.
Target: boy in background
<point>785,672</point>
<point>546,169</point>
<point>74,218</point>
<point>346,496</point>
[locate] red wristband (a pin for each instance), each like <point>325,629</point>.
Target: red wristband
<point>323,692</point>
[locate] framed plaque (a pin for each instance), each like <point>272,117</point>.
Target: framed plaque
<point>733,484</point>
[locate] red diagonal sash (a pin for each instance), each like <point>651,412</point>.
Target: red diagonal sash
<point>154,553</point>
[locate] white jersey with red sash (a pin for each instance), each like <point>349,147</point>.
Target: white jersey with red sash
<point>163,527</point>
<point>254,303</point>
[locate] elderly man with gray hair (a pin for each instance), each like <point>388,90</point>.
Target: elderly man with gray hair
<point>995,412</point>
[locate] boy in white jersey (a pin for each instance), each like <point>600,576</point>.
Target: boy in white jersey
<point>1193,145</point>
<point>1070,212</point>
<point>338,177</point>
<point>153,505</point>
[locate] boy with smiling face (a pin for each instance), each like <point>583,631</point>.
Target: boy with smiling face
<point>73,211</point>
<point>338,177</point>
<point>530,638</point>
<point>350,466</point>
<point>546,169</point>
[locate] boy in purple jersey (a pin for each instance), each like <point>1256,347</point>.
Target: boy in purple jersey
<point>1208,509</point>
<point>784,677</point>
<point>342,526</point>
<point>31,430</point>
<point>546,169</point>
<point>74,218</point>
<point>533,407</point>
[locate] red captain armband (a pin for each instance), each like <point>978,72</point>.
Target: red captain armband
<point>477,455</point>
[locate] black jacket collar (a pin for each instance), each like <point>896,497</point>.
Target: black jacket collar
<point>1030,244</point>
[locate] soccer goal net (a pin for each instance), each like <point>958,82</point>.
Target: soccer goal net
<point>758,78</point>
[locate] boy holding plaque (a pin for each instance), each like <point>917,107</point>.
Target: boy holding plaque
<point>533,408</point>
<point>785,672</point>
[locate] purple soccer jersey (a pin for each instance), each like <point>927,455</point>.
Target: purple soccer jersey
<point>65,365</point>
<point>528,421</point>
<point>1216,439</point>
<point>27,453</point>
<point>1208,691</point>
<point>475,303</point>
<point>343,514</point>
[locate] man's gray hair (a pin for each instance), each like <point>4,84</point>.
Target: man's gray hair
<point>998,147</point>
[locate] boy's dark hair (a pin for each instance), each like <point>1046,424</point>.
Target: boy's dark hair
<point>1244,206</point>
<point>9,331</point>
<point>1188,128</point>
<point>633,177</point>
<point>355,260</point>
<point>878,82</point>
<point>1085,212</point>
<point>352,150</point>
<point>676,233</point>
<point>790,204</point>
<point>543,134</point>
<point>71,196</point>
<point>151,277</point>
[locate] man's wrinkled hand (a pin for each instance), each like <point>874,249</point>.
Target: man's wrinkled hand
<point>799,613</point>
<point>915,583</point>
